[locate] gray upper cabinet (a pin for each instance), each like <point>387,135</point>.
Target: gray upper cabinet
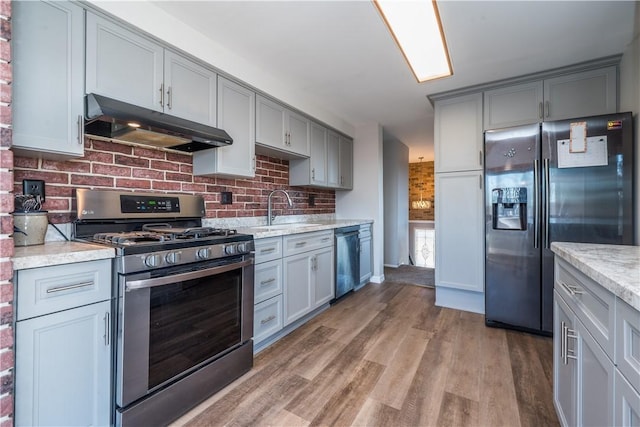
<point>311,171</point>
<point>333,160</point>
<point>346,163</point>
<point>579,94</point>
<point>279,131</point>
<point>236,114</point>
<point>127,66</point>
<point>48,36</point>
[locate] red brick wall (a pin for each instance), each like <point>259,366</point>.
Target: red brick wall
<point>121,166</point>
<point>6,222</point>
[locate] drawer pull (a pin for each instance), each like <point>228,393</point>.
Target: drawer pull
<point>268,319</point>
<point>565,352</point>
<point>573,290</point>
<point>69,287</point>
<point>267,282</point>
<point>326,239</point>
<point>300,244</point>
<point>267,250</point>
<point>107,329</point>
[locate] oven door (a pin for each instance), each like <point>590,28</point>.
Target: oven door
<point>173,321</point>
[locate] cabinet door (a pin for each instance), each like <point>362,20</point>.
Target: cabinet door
<point>583,94</point>
<point>63,368</point>
<point>627,403</point>
<point>48,61</point>
<point>298,140</point>
<point>123,65</point>
<point>564,374</point>
<point>297,286</point>
<point>628,342</point>
<point>460,231</point>
<point>595,380</point>
<point>365,260</point>
<point>236,115</point>
<point>458,134</point>
<point>270,123</point>
<point>333,160</point>
<point>190,90</point>
<point>346,163</point>
<point>324,277</point>
<point>318,157</point>
<point>513,105</point>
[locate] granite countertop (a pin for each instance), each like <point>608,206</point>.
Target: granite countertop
<point>615,267</point>
<point>56,253</point>
<point>262,231</point>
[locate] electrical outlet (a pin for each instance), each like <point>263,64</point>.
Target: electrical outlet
<point>312,200</point>
<point>34,187</point>
<point>226,198</point>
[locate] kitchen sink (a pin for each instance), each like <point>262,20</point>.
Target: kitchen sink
<point>284,226</point>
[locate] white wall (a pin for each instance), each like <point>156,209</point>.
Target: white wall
<point>160,24</point>
<point>366,200</point>
<point>630,101</point>
<point>396,206</point>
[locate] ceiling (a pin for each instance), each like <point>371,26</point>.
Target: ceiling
<point>340,54</point>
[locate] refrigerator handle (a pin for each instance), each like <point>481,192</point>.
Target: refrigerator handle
<point>545,176</point>
<point>536,204</point>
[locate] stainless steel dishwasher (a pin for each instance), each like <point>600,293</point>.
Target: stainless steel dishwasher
<point>347,259</point>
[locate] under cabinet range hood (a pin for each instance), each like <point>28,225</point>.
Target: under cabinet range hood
<point>110,118</point>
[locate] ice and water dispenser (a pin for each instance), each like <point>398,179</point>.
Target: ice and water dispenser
<point>509,208</point>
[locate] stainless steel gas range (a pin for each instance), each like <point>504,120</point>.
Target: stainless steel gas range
<point>183,300</point>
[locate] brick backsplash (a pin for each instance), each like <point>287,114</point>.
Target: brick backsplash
<point>108,164</point>
<point>421,180</point>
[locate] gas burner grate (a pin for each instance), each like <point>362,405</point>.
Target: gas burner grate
<point>131,238</point>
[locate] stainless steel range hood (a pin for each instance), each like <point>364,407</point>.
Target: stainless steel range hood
<point>119,120</point>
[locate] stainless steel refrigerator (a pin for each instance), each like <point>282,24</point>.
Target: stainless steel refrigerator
<point>569,181</point>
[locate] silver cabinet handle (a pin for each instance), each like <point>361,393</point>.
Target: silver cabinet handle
<point>572,289</point>
<point>162,94</point>
<point>546,108</point>
<point>562,342</point>
<point>254,163</point>
<point>268,319</point>
<point>536,204</point>
<point>313,173</point>
<point>480,181</point>
<point>69,287</point>
<point>80,129</point>
<point>300,244</point>
<point>480,157</point>
<point>326,239</point>
<point>169,97</point>
<point>267,250</point>
<point>540,112</point>
<point>267,282</point>
<point>107,329</point>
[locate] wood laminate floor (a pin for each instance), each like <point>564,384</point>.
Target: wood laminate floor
<point>387,356</point>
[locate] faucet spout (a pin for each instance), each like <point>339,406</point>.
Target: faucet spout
<point>270,216</point>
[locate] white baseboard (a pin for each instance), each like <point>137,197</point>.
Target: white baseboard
<point>460,299</point>
<point>377,279</point>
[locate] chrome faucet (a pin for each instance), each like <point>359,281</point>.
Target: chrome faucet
<point>271,217</point>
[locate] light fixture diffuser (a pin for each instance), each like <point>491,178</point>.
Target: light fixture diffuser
<point>415,26</point>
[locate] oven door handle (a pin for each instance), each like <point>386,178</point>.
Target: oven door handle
<point>167,280</point>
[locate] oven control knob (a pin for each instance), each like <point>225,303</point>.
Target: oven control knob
<point>230,249</point>
<point>203,253</point>
<point>172,257</point>
<point>242,248</point>
<point>153,261</point>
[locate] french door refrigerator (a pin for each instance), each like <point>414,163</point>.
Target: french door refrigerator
<point>568,181</point>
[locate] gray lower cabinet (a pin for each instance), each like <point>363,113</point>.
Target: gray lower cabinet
<point>583,373</point>
<point>48,62</point>
<point>627,403</point>
<point>64,345</point>
<point>308,270</point>
<point>366,264</point>
<point>267,313</point>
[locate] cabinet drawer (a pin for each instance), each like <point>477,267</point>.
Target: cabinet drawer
<point>267,318</point>
<point>268,249</point>
<point>304,242</point>
<point>268,280</point>
<point>50,289</point>
<point>628,342</point>
<point>593,304</point>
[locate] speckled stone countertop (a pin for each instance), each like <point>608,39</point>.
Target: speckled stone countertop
<point>262,231</point>
<point>55,253</point>
<point>615,267</point>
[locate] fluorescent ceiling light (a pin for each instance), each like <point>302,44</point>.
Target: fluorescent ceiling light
<point>416,28</point>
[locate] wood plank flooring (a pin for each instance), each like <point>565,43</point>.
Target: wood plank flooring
<point>387,356</point>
